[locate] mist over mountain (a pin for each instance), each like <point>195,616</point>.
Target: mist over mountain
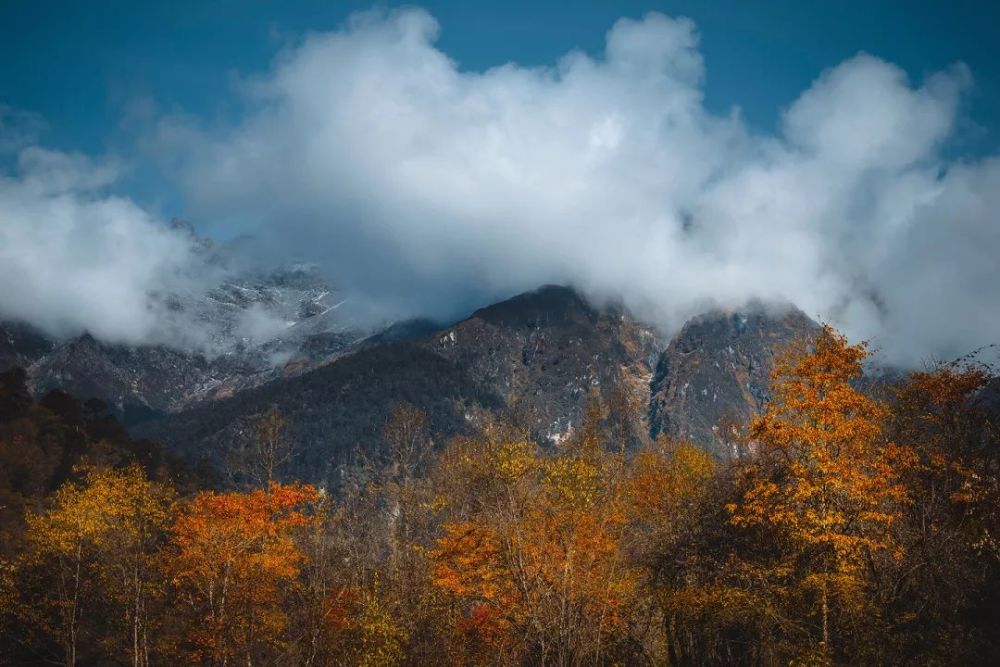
<point>422,188</point>
<point>253,327</point>
<point>540,357</point>
<point>429,186</point>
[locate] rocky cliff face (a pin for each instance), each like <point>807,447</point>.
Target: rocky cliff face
<point>717,371</point>
<point>546,351</point>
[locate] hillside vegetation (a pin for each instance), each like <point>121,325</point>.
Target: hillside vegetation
<point>845,527</point>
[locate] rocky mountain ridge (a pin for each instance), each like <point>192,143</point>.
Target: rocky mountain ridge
<point>541,354</point>
<point>715,373</point>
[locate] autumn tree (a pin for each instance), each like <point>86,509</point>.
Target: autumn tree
<point>321,604</point>
<point>374,637</point>
<point>669,501</point>
<point>533,551</point>
<point>823,477</point>
<point>407,436</point>
<point>265,453</point>
<point>272,446</point>
<point>233,562</point>
<point>102,534</point>
<point>58,551</point>
<point>947,415</point>
<point>136,512</point>
<point>945,596</point>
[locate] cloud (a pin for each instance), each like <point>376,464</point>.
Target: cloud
<point>74,258</point>
<point>428,188</point>
<point>864,114</point>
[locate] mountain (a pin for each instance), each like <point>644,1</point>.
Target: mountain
<point>717,370</point>
<point>282,339</point>
<point>546,351</point>
<point>255,326</point>
<point>333,412</point>
<point>21,345</point>
<point>540,354</point>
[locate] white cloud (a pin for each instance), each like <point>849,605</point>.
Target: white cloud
<point>865,114</point>
<point>75,259</point>
<point>427,188</point>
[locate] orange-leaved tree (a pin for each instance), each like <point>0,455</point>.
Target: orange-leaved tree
<point>234,561</point>
<point>670,502</point>
<point>949,581</point>
<point>822,476</point>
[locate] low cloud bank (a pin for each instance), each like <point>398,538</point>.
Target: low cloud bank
<point>75,259</point>
<point>425,189</point>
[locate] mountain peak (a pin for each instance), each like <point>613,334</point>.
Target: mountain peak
<point>547,305</point>
<point>718,369</point>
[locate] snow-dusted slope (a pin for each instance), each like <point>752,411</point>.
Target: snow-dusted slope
<point>252,328</point>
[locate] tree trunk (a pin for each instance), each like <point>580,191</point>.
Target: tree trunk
<point>825,602</point>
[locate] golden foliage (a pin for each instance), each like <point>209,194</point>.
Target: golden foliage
<point>840,524</point>
<point>823,474</point>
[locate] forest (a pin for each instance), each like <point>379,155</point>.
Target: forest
<point>854,523</point>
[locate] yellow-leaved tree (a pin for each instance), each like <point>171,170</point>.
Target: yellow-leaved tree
<point>822,478</point>
<point>535,552</point>
<point>102,534</point>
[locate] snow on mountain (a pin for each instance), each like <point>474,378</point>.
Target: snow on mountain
<point>252,328</point>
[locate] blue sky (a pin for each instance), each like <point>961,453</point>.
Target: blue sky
<point>83,66</point>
